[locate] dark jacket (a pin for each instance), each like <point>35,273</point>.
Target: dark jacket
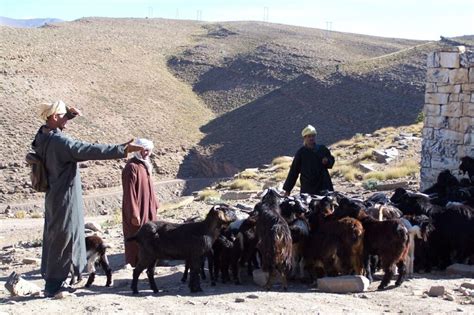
<point>314,176</point>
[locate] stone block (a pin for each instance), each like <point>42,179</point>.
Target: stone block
<point>445,163</point>
<point>449,59</point>
<point>469,138</point>
<point>467,59</point>
<point>437,75</point>
<point>453,123</point>
<point>432,109</point>
<point>464,97</point>
<point>427,133</point>
<point>451,136</point>
<point>468,109</point>
<point>449,48</point>
<point>453,97</point>
<point>450,88</point>
<point>468,285</point>
<point>343,284</point>
<point>466,124</point>
<point>17,286</point>
<point>366,167</point>
<point>433,60</point>
<point>392,186</point>
<point>453,109</point>
<point>461,269</point>
<point>466,150</point>
<point>436,98</point>
<point>437,290</point>
<point>436,122</point>
<point>472,98</point>
<point>93,226</point>
<point>425,160</point>
<point>457,76</point>
<point>471,75</point>
<point>238,195</point>
<point>468,87</point>
<point>431,88</point>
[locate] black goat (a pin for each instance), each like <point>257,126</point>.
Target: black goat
<point>274,238</point>
<point>189,242</point>
<point>467,166</point>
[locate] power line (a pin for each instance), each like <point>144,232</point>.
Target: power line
<point>199,15</point>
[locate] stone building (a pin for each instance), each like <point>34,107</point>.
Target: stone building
<point>448,132</point>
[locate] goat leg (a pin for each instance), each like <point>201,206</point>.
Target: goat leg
<point>401,272</point>
<point>271,275</point>
<point>90,280</point>
<point>283,279</point>
<point>104,262</point>
<point>194,280</point>
<point>185,273</point>
<point>136,273</point>
<point>203,273</point>
<point>151,277</point>
<point>210,266</point>
<point>368,269</point>
<point>388,273</point>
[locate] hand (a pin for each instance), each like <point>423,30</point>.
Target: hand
<point>73,112</point>
<point>325,161</point>
<point>135,222</point>
<point>130,147</point>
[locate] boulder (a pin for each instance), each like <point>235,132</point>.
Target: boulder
<point>31,261</point>
<point>437,290</point>
<point>17,286</point>
<point>93,226</point>
<point>238,195</point>
<point>343,284</point>
<point>468,285</point>
<point>260,277</point>
<point>392,186</point>
<point>461,269</point>
<point>366,167</point>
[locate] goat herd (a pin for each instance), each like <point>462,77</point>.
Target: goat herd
<point>308,237</point>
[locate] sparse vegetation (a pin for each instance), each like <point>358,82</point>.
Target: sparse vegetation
<point>114,219</point>
<point>282,160</point>
<point>208,194</point>
<point>280,176</point>
<point>36,215</point>
<point>403,169</point>
<point>244,184</point>
<point>249,174</point>
<point>20,214</point>
<point>370,184</point>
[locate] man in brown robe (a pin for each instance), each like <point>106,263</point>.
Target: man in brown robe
<point>139,203</point>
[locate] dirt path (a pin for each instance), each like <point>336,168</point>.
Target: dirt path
<point>174,297</point>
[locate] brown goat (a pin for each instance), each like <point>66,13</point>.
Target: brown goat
<point>386,239</point>
<point>336,245</point>
<point>95,251</point>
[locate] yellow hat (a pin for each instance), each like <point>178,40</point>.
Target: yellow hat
<point>48,109</point>
<point>309,130</point>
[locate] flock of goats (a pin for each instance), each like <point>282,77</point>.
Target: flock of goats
<point>308,237</point>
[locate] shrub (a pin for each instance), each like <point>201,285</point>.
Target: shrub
<point>280,176</point>
<point>244,184</point>
<point>370,184</point>
<point>20,214</point>
<point>281,160</point>
<point>248,174</point>
<point>208,194</point>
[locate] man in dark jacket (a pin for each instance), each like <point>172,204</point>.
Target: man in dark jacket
<point>63,236</point>
<point>311,162</point>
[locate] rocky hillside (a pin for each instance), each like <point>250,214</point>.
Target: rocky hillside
<point>214,97</point>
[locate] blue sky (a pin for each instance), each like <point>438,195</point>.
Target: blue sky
<point>417,19</point>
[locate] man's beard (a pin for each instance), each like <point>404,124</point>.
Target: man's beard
<point>145,161</point>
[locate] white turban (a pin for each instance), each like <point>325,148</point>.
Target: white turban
<point>48,109</point>
<point>309,130</point>
<point>147,144</point>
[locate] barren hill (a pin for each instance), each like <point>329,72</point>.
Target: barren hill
<point>215,97</point>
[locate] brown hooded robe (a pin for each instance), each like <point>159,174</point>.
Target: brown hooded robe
<point>139,202</point>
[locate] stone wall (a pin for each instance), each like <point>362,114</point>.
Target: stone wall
<point>448,132</point>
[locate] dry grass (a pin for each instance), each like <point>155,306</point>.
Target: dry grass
<point>244,184</point>
<point>37,215</point>
<point>208,194</point>
<point>248,174</point>
<point>347,170</point>
<point>280,176</point>
<point>20,214</point>
<point>282,160</point>
<point>403,169</point>
<point>114,220</point>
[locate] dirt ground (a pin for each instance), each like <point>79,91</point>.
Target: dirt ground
<point>174,297</point>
